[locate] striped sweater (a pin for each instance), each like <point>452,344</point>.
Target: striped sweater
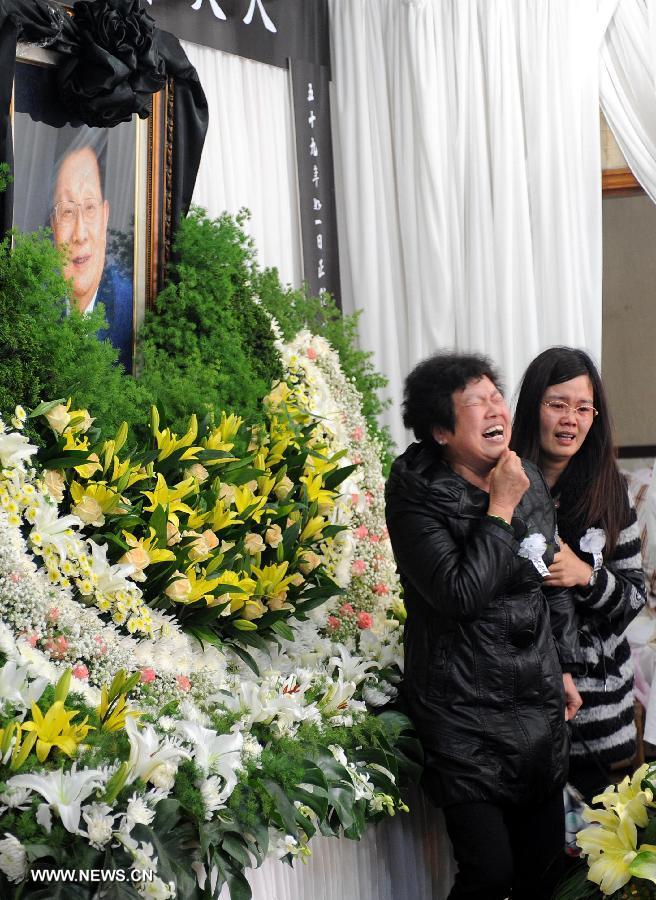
<point>606,720</point>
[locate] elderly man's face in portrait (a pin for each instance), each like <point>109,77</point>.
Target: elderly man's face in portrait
<point>79,222</point>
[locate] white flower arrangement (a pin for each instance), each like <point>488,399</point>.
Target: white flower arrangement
<point>317,678</point>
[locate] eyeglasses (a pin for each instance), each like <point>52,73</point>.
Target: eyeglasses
<point>65,211</point>
<point>559,407</point>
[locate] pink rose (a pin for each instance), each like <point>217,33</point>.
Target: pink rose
<point>311,353</point>
<point>333,623</point>
<point>147,675</point>
<point>358,433</point>
<point>365,620</point>
<point>31,639</point>
<point>15,577</point>
<point>80,671</point>
<point>358,567</point>
<point>57,647</point>
<point>370,497</point>
<point>374,538</point>
<point>381,589</point>
<point>347,610</point>
<point>53,614</point>
<point>183,683</point>
<point>361,532</point>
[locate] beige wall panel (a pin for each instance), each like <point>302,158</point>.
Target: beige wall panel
<point>629,316</point>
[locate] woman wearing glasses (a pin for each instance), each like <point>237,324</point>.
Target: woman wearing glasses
<point>562,423</point>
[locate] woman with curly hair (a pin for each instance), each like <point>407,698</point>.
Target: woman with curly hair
<point>486,643</point>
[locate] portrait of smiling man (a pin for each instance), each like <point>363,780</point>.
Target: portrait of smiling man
<point>79,219</point>
<point>79,182</point>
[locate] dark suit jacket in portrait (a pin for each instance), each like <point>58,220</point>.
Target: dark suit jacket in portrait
<point>116,294</point>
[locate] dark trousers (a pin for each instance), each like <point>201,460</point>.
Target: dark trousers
<point>501,848</point>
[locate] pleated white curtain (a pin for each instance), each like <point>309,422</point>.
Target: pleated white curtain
<point>628,86</point>
<point>249,158</point>
<point>468,177</point>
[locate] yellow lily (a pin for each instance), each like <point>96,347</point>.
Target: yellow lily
<point>193,587</point>
<point>114,720</point>
<point>168,442</point>
<point>165,496</point>
<point>224,590</point>
<point>149,546</point>
<point>119,469</point>
<point>313,528</point>
<point>271,579</point>
<point>55,730</point>
<point>628,798</point>
<point>245,498</point>
<point>316,491</point>
<point>222,438</point>
<point>106,497</point>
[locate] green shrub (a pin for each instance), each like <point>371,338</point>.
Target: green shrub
<point>207,346</point>
<point>46,353</point>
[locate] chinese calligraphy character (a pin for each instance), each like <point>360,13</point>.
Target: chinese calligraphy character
<point>317,221</point>
<point>312,118</point>
<point>314,150</point>
<point>310,95</point>
<point>248,18</point>
<point>320,269</point>
<point>317,204</point>
<point>315,176</point>
<point>319,242</point>
<point>216,9</point>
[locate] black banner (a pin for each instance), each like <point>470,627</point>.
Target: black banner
<point>269,31</point>
<point>310,85</point>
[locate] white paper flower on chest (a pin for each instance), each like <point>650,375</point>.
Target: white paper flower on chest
<point>593,542</point>
<point>534,547</point>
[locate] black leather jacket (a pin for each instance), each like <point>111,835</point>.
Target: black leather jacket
<point>485,641</point>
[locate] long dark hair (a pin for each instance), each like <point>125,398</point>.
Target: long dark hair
<point>591,490</point>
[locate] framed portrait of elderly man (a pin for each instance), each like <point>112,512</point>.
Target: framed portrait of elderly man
<point>87,186</point>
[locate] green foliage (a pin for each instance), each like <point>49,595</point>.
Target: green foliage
<point>208,346</point>
<point>296,310</point>
<point>46,353</point>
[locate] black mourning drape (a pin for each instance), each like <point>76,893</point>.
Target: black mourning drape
<point>115,59</point>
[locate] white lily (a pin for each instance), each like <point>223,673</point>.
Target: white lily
<point>216,753</point>
<point>14,448</point>
<point>63,792</point>
<point>53,529</point>
<point>147,754</point>
<point>16,689</point>
<point>336,697</point>
<point>351,667</point>
<point>111,578</point>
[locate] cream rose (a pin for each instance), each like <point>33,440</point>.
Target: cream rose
<point>180,589</point>
<point>55,483</point>
<point>58,418</point>
<point>273,536</point>
<point>203,545</point>
<point>276,601</point>
<point>253,543</point>
<point>284,487</point>
<point>137,557</point>
<point>198,472</point>
<point>309,561</point>
<point>89,510</point>
<point>173,535</point>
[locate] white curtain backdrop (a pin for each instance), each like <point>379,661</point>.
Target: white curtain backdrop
<point>628,86</point>
<point>468,177</point>
<point>249,157</point>
<point>405,858</point>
